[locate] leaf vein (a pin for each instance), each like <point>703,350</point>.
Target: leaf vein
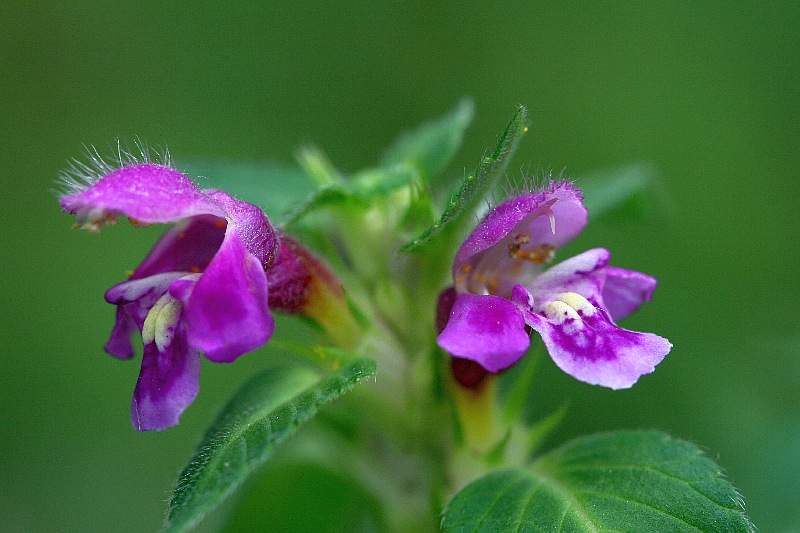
<point>638,502</point>
<point>649,468</point>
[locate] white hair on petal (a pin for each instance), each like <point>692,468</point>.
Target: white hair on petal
<point>532,182</point>
<point>82,174</point>
<point>527,183</point>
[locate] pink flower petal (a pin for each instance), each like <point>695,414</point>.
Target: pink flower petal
<point>486,329</point>
<point>624,291</point>
<point>146,192</point>
<point>588,346</point>
<point>227,313</point>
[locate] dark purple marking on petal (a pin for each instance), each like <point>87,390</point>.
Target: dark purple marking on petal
<point>168,383</point>
<point>147,192</point>
<point>522,298</point>
<point>591,348</point>
<point>486,329</point>
<point>227,312</point>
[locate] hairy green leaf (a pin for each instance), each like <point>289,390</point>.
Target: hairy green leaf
<point>266,411</point>
<point>475,188</point>
<point>430,147</point>
<point>623,481</point>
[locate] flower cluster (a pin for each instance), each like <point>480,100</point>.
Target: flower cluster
<point>501,289</point>
<point>207,285</point>
<point>443,449</point>
<point>214,277</point>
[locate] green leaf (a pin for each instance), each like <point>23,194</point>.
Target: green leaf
<point>475,188</point>
<point>328,196</point>
<point>318,167</point>
<point>382,181</point>
<point>415,157</point>
<point>430,147</point>
<point>274,187</point>
<point>266,411</point>
<point>623,481</point>
<point>356,192</point>
<point>630,192</point>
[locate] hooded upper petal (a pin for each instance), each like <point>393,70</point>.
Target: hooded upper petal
<point>250,223</point>
<point>486,329</point>
<point>146,192</point>
<point>516,238</point>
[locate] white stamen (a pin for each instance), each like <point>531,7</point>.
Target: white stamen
<point>159,324</point>
<point>577,302</point>
<point>149,326</point>
<point>559,312</point>
<point>166,323</point>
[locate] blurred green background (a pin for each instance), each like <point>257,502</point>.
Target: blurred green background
<point>708,94</point>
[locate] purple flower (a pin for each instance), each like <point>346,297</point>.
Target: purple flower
<point>502,289</point>
<point>203,287</point>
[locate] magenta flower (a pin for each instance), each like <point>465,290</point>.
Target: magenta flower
<point>203,287</point>
<point>501,286</point>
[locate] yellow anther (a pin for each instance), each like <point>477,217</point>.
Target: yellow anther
<point>94,221</point>
<point>539,255</point>
<point>220,223</point>
<point>195,269</point>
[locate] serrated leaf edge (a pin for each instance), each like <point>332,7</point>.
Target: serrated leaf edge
<point>307,413</point>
